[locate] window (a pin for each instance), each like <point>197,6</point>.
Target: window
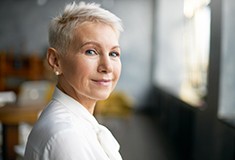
<point>183,40</point>
<point>227,77</point>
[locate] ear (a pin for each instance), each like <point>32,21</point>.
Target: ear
<point>53,60</point>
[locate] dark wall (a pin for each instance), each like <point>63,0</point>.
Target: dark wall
<point>177,119</point>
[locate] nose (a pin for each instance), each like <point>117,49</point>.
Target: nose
<point>105,64</point>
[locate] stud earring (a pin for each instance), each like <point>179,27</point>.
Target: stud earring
<point>57,73</point>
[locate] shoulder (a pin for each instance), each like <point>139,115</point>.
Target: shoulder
<point>59,132</point>
<point>54,120</point>
<point>71,144</point>
<point>65,144</point>
<point>57,125</point>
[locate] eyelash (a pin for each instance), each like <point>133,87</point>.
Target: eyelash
<point>112,54</point>
<point>88,52</point>
<point>116,54</point>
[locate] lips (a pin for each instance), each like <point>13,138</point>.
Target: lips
<point>103,82</point>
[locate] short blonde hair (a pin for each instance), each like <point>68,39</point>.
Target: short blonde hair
<point>62,27</point>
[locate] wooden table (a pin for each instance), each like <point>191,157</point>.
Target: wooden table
<point>11,116</point>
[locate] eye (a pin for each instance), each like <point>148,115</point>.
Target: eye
<point>114,54</point>
<point>90,52</point>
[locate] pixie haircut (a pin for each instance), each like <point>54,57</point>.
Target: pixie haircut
<point>62,27</point>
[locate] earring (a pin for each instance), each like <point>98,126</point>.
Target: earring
<point>57,73</point>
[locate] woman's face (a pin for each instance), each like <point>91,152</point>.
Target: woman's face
<point>91,67</point>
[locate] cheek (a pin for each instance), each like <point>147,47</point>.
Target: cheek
<point>70,67</point>
<point>117,69</point>
<point>80,70</point>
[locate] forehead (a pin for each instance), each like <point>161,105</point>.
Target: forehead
<point>95,31</point>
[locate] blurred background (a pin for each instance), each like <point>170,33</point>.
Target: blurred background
<point>175,98</point>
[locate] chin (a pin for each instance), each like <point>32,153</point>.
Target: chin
<point>101,97</point>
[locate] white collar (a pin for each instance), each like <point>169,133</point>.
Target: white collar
<point>105,137</point>
<point>75,107</point>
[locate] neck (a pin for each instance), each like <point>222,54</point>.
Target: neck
<point>88,103</point>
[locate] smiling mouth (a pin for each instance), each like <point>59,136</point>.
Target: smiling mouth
<point>103,82</point>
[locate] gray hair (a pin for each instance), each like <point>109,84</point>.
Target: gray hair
<point>62,27</point>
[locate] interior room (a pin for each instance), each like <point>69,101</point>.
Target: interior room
<point>175,97</point>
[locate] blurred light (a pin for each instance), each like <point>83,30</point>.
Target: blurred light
<point>192,6</point>
<point>196,47</point>
<point>34,94</point>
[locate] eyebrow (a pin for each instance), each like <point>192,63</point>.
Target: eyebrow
<point>97,44</point>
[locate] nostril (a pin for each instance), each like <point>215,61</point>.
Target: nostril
<point>105,66</point>
<point>104,69</point>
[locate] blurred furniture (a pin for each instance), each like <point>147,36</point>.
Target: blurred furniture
<point>119,104</point>
<point>11,116</point>
<point>17,68</point>
<point>7,97</point>
<point>33,97</point>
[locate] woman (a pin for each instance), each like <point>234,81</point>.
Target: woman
<point>85,55</point>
